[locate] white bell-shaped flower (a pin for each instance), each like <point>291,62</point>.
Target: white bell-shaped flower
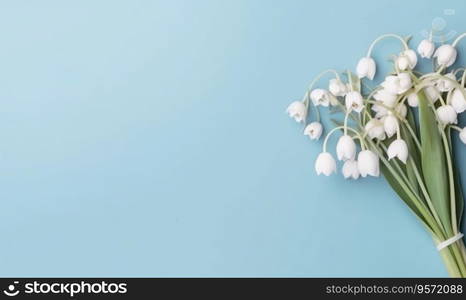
<point>320,97</point>
<point>406,60</point>
<point>350,169</point>
<point>401,110</point>
<point>446,55</point>
<point>447,114</point>
<point>366,68</point>
<point>446,85</point>
<point>313,130</point>
<point>398,148</point>
<point>390,125</point>
<point>397,84</point>
<point>374,129</point>
<point>458,101</point>
<point>325,164</point>
<point>386,97</point>
<point>337,88</point>
<point>432,93</point>
<point>380,111</point>
<point>463,135</point>
<point>413,99</point>
<point>426,48</point>
<point>346,148</point>
<point>297,110</point>
<point>368,163</point>
<point>354,101</point>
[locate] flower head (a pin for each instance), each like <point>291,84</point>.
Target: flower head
<point>458,101</point>
<point>297,110</point>
<point>366,68</point>
<point>313,130</point>
<point>325,164</point>
<point>346,148</point>
<point>406,60</point>
<point>320,97</point>
<point>368,163</point>
<point>354,101</point>
<point>374,129</point>
<point>350,169</point>
<point>447,114</point>
<point>337,88</point>
<point>426,48</point>
<point>446,55</point>
<point>398,148</point>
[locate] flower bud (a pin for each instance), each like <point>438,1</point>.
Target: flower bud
<point>350,169</point>
<point>446,55</point>
<point>398,148</point>
<point>447,114</point>
<point>366,68</point>
<point>346,148</point>
<point>426,49</point>
<point>313,130</point>
<point>297,110</point>
<point>368,163</point>
<point>325,164</point>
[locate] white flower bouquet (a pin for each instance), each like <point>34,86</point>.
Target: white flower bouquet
<point>403,129</point>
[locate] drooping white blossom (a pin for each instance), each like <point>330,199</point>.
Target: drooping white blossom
<point>398,84</point>
<point>297,110</point>
<point>386,97</point>
<point>366,68</point>
<point>346,148</point>
<point>398,148</point>
<point>325,164</point>
<point>406,60</point>
<point>432,93</point>
<point>337,88</point>
<point>458,101</point>
<point>413,99</point>
<point>320,97</point>
<point>350,169</point>
<point>447,114</point>
<point>368,163</point>
<point>446,55</point>
<point>390,125</point>
<point>313,130</point>
<point>447,84</point>
<point>374,129</point>
<point>354,101</point>
<point>426,48</point>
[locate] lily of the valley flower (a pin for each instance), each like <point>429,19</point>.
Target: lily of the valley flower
<point>386,97</point>
<point>426,48</point>
<point>446,55</point>
<point>447,114</point>
<point>366,68</point>
<point>398,84</point>
<point>413,99</point>
<point>406,60</point>
<point>445,85</point>
<point>374,129</point>
<point>368,163</point>
<point>401,110</point>
<point>313,130</point>
<point>346,148</point>
<point>463,135</point>
<point>398,148</point>
<point>390,125</point>
<point>350,169</point>
<point>320,97</point>
<point>325,164</point>
<point>297,110</point>
<point>458,101</point>
<point>432,93</point>
<point>337,88</point>
<point>354,101</point>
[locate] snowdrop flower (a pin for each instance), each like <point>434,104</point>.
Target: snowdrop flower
<point>297,110</point>
<point>374,129</point>
<point>397,84</point>
<point>445,85</point>
<point>447,114</point>
<point>406,60</point>
<point>386,97</point>
<point>325,164</point>
<point>346,148</point>
<point>413,99</point>
<point>458,101</point>
<point>368,163</point>
<point>463,135</point>
<point>366,68</point>
<point>320,97</point>
<point>390,125</point>
<point>337,88</point>
<point>313,130</point>
<point>350,169</point>
<point>354,101</point>
<point>426,49</point>
<point>446,55</point>
<point>432,93</point>
<point>398,148</point>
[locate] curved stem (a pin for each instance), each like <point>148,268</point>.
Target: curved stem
<point>405,45</point>
<point>459,38</point>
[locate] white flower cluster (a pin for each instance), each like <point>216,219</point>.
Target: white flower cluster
<point>379,113</point>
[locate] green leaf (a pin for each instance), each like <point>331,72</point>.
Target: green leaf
<point>433,161</point>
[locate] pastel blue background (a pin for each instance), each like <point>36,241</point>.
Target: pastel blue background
<point>148,138</point>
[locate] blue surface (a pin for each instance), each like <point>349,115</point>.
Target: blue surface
<point>148,138</point>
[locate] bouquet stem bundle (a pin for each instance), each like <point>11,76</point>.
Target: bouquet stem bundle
<point>403,129</point>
